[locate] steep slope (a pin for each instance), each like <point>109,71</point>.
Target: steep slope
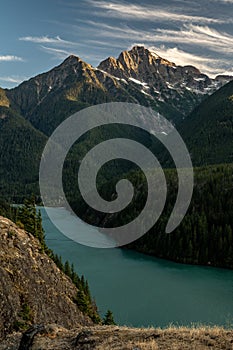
<point>21,148</point>
<point>49,98</point>
<point>208,131</point>
<point>32,288</point>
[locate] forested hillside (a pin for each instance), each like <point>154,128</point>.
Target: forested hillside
<point>208,131</point>
<point>205,234</point>
<point>21,148</point>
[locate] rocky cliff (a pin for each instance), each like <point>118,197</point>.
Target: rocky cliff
<point>32,288</point>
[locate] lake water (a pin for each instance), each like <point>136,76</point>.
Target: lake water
<point>142,290</point>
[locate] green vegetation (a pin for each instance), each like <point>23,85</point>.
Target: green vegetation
<point>208,130</point>
<point>24,317</point>
<point>29,219</point>
<point>205,234</point>
<point>109,319</point>
<point>21,148</point>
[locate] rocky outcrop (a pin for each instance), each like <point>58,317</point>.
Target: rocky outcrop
<point>32,289</point>
<point>4,102</point>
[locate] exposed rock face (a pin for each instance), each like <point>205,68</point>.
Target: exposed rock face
<point>4,102</point>
<point>49,98</point>
<point>145,65</point>
<point>180,87</point>
<point>32,288</point>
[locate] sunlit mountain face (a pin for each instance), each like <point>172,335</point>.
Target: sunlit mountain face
<point>43,34</point>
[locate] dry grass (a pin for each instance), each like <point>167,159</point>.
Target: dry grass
<point>124,338</point>
<point>172,338</point>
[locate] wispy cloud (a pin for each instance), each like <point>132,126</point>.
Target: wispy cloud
<point>63,54</point>
<point>10,58</point>
<point>151,13</point>
<point>57,53</point>
<point>123,32</point>
<point>57,47</point>
<point>204,36</point>
<point>196,39</point>
<point>189,34</point>
<point>13,79</point>
<point>47,40</point>
<point>207,65</point>
<point>224,1</point>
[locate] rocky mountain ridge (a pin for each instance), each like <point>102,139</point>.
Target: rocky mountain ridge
<point>159,77</point>
<point>138,76</point>
<point>30,112</point>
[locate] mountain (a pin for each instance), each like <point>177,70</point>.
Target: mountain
<point>208,131</point>
<point>46,100</point>
<point>180,88</point>
<point>138,76</point>
<point>30,112</point>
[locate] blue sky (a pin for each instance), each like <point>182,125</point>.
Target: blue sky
<point>38,35</point>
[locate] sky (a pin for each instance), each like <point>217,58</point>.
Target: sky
<point>38,35</point>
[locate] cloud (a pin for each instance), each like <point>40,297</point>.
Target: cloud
<point>13,79</point>
<point>207,65</point>
<point>11,58</point>
<point>58,47</point>
<point>123,32</point>
<point>192,35</point>
<point>151,13</point>
<point>57,53</point>
<point>46,40</point>
<point>63,54</point>
<point>183,44</point>
<point>204,36</point>
<point>224,1</point>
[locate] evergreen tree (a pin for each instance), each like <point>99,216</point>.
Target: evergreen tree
<point>108,318</point>
<point>67,269</point>
<point>31,221</point>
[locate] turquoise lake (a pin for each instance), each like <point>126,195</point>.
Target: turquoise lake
<point>142,290</point>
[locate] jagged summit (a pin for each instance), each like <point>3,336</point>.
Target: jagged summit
<point>138,75</point>
<point>161,75</point>
<point>142,52</point>
<point>133,61</point>
<point>74,60</point>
